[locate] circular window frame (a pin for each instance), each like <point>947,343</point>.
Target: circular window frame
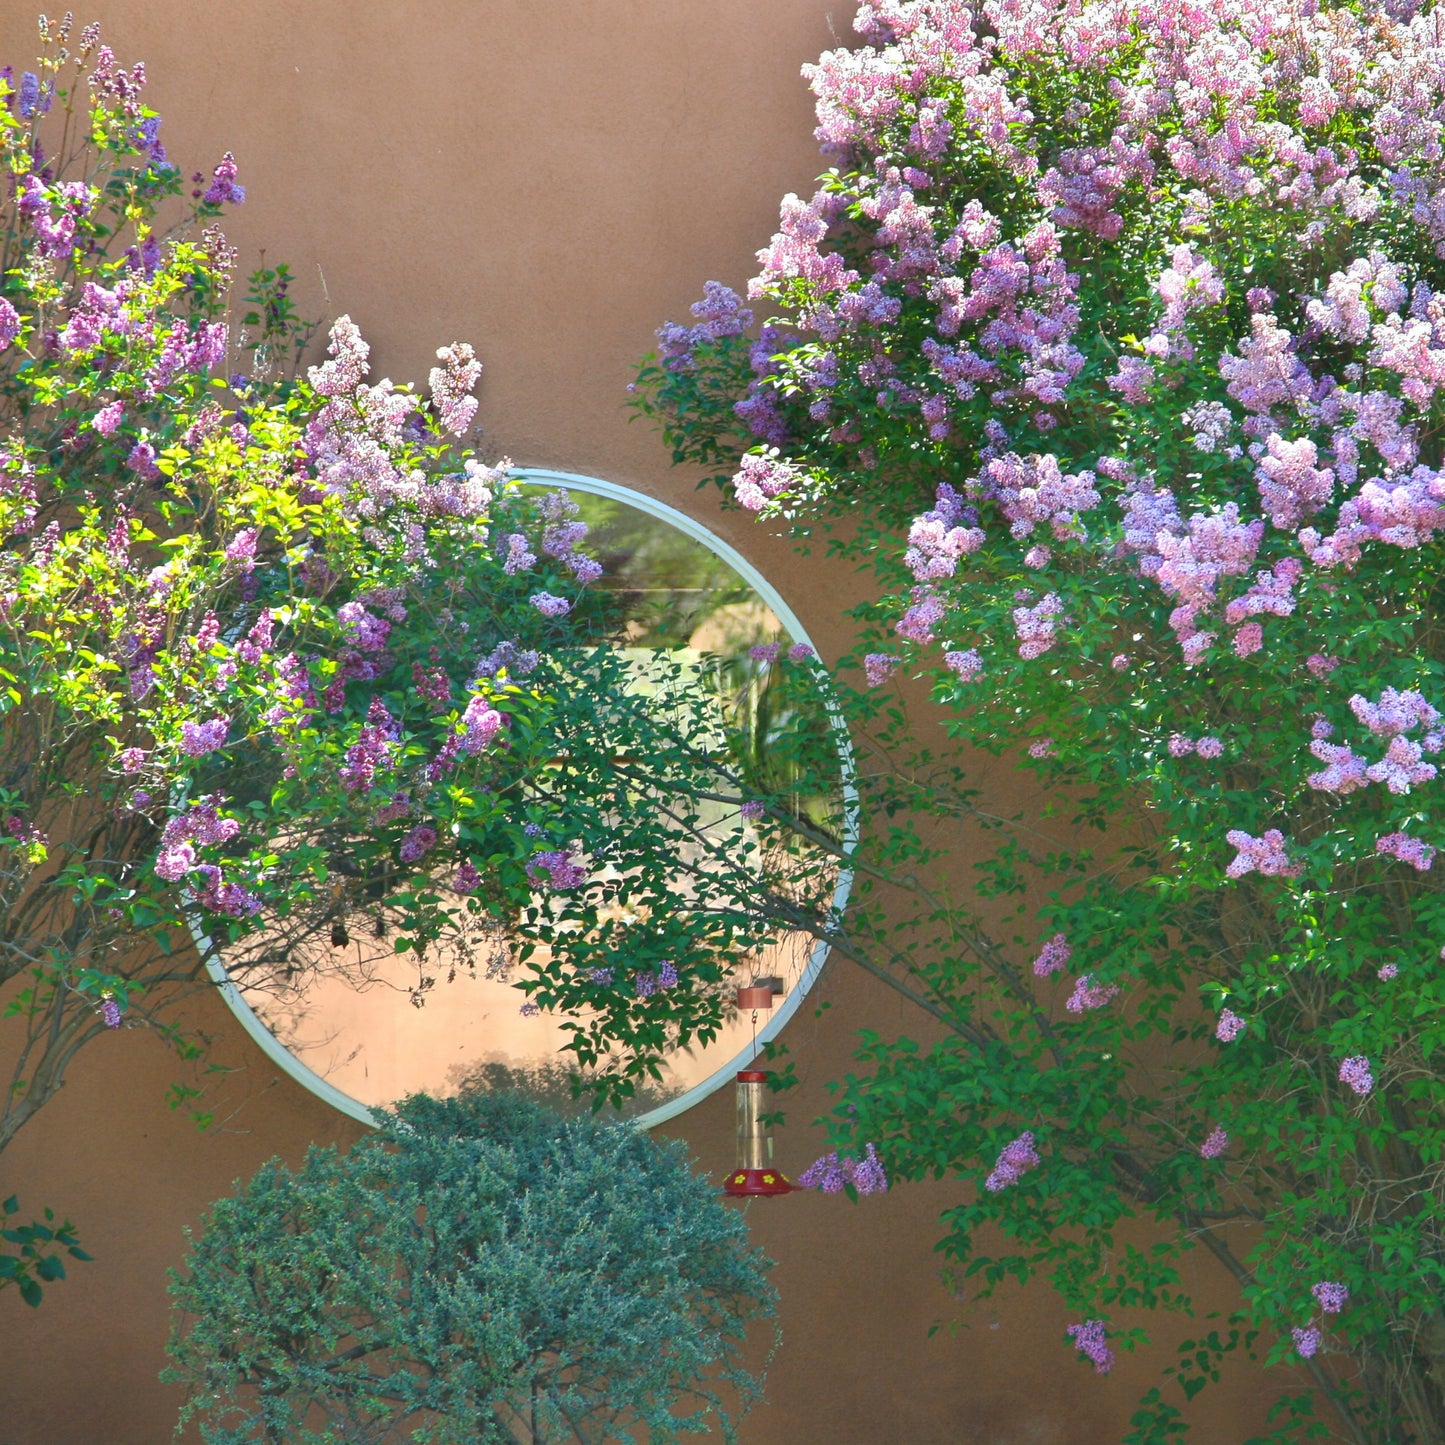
<point>328,1093</point>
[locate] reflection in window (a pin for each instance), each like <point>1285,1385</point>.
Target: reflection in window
<point>682,617</point>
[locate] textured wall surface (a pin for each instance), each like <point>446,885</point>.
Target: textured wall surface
<point>550,181</point>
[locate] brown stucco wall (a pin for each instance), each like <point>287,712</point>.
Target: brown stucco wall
<point>548,180</point>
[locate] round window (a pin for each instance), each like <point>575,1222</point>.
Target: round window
<point>355,1038</point>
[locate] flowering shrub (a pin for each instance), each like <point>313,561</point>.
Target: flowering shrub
<point>1126,324</point>
<point>283,659</point>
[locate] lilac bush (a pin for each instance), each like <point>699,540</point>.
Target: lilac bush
<point>283,659</point>
<point>1116,333</point>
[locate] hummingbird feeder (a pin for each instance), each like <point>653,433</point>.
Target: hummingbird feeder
<point>754,1173</point>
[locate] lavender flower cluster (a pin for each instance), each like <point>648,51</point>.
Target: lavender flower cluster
<point>831,1174</point>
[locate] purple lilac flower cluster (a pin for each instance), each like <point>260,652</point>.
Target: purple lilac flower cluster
<point>1355,1071</point>
<point>1419,855</point>
<point>1017,1158</point>
<point>1229,1027</point>
<point>647,984</point>
<point>1053,956</point>
<point>1089,1339</point>
<point>560,869</point>
<point>1215,1144</point>
<point>720,314</point>
<point>1265,854</point>
<point>831,1175</point>
<point>1089,995</point>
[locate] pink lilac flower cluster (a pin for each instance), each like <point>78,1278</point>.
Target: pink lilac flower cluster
<point>762,478</point>
<point>563,533</point>
<point>451,384</point>
<point>1229,1027</point>
<point>1053,956</point>
<point>878,667</point>
<point>1265,854</point>
<point>1016,1159</point>
<point>550,606</point>
<point>1089,995</point>
<point>1215,1144</point>
<point>418,843</point>
<point>562,871</point>
<point>223,190</point>
<point>941,537</point>
<point>1034,626</point>
<point>830,1174</point>
<point>1403,766</point>
<point>1355,1071</point>
<point>1033,491</point>
<point>202,826</point>
<point>373,750</point>
<point>965,665</point>
<point>481,723</point>
<point>918,622</point>
<point>1417,853</point>
<point>1089,1339</point>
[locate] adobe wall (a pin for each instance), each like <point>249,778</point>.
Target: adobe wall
<point>549,181</point>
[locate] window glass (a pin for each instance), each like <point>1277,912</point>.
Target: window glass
<point>668,585</point>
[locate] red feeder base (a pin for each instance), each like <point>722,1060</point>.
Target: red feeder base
<point>743,1182</point>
